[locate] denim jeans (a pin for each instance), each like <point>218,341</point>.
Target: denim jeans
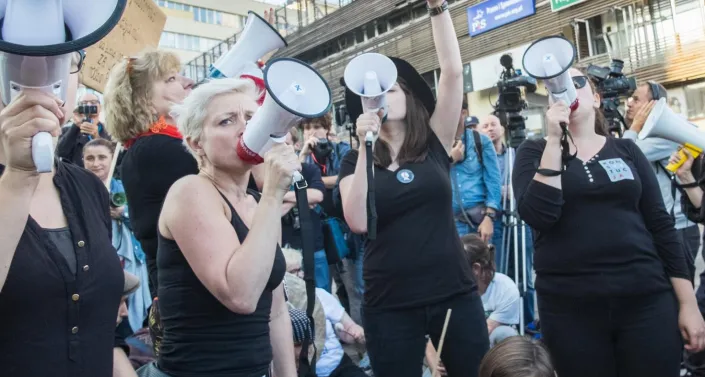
<point>396,339</point>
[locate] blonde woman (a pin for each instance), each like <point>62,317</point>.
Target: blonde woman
<point>138,96</point>
<point>220,264</point>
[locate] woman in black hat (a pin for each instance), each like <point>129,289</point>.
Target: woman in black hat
<point>414,270</point>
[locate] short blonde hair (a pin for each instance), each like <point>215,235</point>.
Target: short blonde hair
<point>191,114</point>
<point>128,93</point>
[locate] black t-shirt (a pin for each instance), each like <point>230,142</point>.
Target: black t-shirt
<point>417,258</point>
<point>292,235</point>
<point>606,232</point>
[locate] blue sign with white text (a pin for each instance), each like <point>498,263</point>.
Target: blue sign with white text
<point>492,14</point>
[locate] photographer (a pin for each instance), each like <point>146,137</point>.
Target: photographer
<point>658,151</point>
<point>83,128</point>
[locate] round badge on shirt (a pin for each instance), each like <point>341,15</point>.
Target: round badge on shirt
<point>405,176</point>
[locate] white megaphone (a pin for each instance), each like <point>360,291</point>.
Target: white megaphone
<point>295,90</point>
<point>257,39</point>
<point>665,124</point>
<point>38,40</point>
<point>549,59</point>
<point>370,76</point>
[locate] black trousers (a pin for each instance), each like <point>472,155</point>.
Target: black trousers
<point>610,337</point>
<point>396,339</point>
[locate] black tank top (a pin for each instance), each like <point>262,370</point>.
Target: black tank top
<point>201,336</point>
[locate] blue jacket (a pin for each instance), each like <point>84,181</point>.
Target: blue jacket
<point>474,183</point>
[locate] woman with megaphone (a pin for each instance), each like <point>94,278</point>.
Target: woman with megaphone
<point>614,291</point>
<point>415,269</point>
<point>60,278</point>
<point>220,266</point>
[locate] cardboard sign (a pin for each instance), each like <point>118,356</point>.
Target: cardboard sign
<point>141,26</point>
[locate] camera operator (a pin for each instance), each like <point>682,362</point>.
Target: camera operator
<point>658,151</point>
<point>84,128</point>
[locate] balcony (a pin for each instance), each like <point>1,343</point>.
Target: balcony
<point>667,59</point>
<point>197,69</point>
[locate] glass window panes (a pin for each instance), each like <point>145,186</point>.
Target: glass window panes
<point>695,98</point>
<point>186,42</point>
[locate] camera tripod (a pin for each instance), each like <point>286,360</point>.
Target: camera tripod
<point>514,237</point>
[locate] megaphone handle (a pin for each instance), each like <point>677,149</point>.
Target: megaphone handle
<point>42,152</point>
<point>371,205</point>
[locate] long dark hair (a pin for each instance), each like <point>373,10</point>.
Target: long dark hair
<point>418,133</point>
<point>600,122</point>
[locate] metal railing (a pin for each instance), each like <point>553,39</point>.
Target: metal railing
<point>651,52</point>
<point>197,69</point>
<point>302,15</point>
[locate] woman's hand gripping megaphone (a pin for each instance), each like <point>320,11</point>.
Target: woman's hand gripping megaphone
<point>368,125</point>
<point>32,115</point>
<point>281,165</point>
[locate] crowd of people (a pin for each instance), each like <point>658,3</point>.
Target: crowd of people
<point>151,216</point>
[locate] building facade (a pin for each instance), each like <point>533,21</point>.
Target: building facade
<point>186,17</point>
<point>660,40</point>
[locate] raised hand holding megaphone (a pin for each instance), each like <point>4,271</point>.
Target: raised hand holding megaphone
<point>36,50</point>
<point>549,59</point>
<point>370,76</point>
<point>295,91</point>
<point>257,39</point>
<point>664,123</point>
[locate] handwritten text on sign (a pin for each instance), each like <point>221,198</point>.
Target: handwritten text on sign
<point>141,26</point>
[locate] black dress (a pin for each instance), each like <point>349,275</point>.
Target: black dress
<point>201,336</point>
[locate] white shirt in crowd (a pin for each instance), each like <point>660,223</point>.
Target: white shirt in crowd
<point>501,300</point>
<point>332,350</point>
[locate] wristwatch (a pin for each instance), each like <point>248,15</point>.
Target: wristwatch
<point>435,11</point>
<point>491,215</point>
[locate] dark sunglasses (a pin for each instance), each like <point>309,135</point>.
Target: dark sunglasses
<point>81,59</point>
<point>579,81</point>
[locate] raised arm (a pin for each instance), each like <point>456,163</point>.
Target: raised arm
<point>444,120</point>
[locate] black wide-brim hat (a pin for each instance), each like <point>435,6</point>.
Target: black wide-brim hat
<point>416,84</point>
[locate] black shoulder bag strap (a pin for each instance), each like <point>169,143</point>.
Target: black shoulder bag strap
<point>307,369</point>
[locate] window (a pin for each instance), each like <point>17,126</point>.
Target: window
<point>208,16</point>
<point>186,42</point>
<point>695,97</point>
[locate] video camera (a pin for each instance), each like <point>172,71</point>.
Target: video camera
<point>611,85</point>
<point>511,103</point>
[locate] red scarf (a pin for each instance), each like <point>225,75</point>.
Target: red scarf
<point>160,127</point>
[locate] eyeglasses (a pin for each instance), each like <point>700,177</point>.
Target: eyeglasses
<point>81,59</point>
<point>579,81</point>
